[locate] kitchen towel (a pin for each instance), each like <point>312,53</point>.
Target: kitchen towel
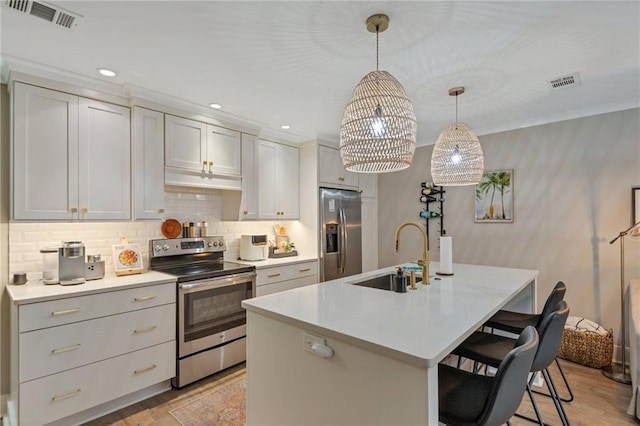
<point>446,256</point>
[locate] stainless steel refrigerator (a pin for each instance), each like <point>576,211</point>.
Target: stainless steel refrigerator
<point>340,233</point>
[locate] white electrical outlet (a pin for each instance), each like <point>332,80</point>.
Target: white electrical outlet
<point>308,340</point>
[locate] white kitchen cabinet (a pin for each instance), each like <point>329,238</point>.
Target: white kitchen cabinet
<point>224,151</point>
<point>368,184</point>
<point>331,171</point>
<point>148,160</point>
<point>185,143</point>
<point>200,154</point>
<point>286,277</point>
<point>76,353</point>
<point>249,201</point>
<point>279,181</point>
<point>71,157</point>
<point>369,234</point>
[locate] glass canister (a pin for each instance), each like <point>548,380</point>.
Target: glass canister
<point>50,265</point>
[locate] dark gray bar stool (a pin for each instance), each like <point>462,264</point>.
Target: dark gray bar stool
<point>490,349</point>
<point>515,322</point>
<point>467,399</point>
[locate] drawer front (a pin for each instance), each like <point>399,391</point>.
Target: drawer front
<point>64,311</point>
<point>52,350</point>
<point>285,285</point>
<point>287,272</point>
<point>60,395</point>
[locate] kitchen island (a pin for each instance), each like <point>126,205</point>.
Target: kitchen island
<point>386,346</point>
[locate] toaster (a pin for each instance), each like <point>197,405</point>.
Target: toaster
<point>254,247</point>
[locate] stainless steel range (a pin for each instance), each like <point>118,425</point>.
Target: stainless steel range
<point>211,322</point>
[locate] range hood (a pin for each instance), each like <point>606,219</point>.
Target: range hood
<point>196,179</point>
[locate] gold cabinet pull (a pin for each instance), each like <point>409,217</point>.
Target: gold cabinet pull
<point>67,349</point>
<point>305,270</point>
<point>160,210</point>
<point>143,298</point>
<point>74,210</point>
<point>65,396</point>
<point>341,179</point>
<point>144,370</point>
<point>273,275</point>
<point>65,312</point>
<point>245,212</point>
<point>144,330</point>
<point>84,210</point>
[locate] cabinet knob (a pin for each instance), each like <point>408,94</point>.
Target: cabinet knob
<point>210,163</point>
<point>341,179</point>
<point>74,210</point>
<point>245,212</point>
<point>84,210</point>
<point>160,210</point>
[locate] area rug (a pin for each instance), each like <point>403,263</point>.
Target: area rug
<point>223,406</point>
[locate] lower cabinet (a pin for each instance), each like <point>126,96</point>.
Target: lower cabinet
<point>63,394</point>
<point>76,353</point>
<point>286,277</point>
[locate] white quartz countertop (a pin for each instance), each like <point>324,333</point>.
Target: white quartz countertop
<point>419,327</point>
<point>281,261</point>
<point>37,291</point>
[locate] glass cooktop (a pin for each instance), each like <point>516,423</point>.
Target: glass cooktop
<point>206,270</point>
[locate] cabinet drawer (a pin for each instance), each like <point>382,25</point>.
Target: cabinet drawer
<point>52,350</point>
<point>285,285</point>
<point>64,311</point>
<point>60,395</point>
<point>286,272</point>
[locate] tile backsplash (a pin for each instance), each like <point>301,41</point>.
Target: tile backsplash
<point>27,238</point>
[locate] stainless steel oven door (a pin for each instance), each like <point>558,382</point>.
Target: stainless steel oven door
<point>210,311</point>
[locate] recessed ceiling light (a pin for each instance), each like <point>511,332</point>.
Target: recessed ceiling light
<point>106,72</point>
<point>285,127</point>
<point>215,106</point>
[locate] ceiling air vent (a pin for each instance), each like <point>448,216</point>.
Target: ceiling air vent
<point>47,11</point>
<point>565,81</point>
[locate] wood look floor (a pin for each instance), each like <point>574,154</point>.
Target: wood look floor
<point>598,401</point>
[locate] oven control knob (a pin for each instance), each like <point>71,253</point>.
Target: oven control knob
<point>221,243</point>
<point>210,244</point>
<point>165,247</point>
<point>157,248</point>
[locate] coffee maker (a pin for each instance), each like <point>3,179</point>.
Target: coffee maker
<point>71,265</point>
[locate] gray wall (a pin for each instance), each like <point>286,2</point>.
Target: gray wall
<point>572,194</point>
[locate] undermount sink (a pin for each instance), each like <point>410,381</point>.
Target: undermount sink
<point>383,282</point>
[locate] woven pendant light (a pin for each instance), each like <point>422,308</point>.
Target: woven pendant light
<point>378,131</point>
<point>457,157</point>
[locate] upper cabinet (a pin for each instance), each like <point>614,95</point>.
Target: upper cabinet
<point>368,184</point>
<point>71,157</point>
<point>278,181</point>
<point>202,155</point>
<point>331,170</point>
<point>249,203</point>
<point>148,158</point>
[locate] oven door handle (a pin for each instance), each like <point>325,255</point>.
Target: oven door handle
<point>218,282</point>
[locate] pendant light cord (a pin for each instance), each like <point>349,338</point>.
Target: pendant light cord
<point>377,32</point>
<point>456,107</point>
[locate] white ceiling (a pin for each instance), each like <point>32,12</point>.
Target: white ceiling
<point>297,62</point>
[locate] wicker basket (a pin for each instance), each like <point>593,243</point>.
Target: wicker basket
<point>587,348</point>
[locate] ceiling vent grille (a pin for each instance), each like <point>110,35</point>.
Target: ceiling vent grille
<point>47,11</point>
<point>565,81</point>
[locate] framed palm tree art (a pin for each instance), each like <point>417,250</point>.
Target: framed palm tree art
<point>494,197</point>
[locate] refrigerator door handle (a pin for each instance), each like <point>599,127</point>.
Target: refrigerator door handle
<point>343,243</point>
